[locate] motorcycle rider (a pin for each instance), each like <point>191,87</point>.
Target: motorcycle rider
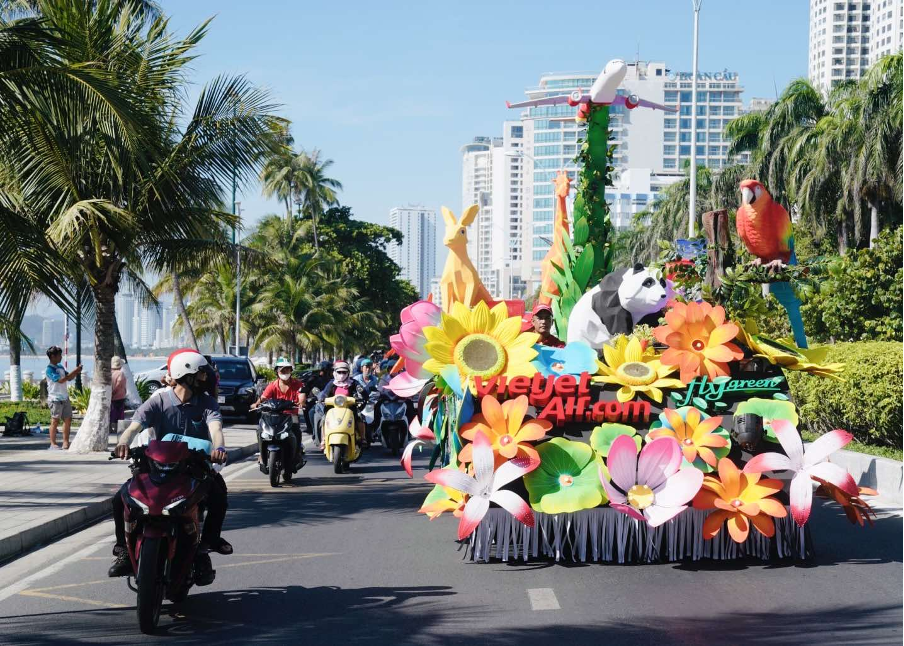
<point>366,377</point>
<point>285,387</point>
<point>343,384</point>
<point>183,409</point>
<point>319,381</point>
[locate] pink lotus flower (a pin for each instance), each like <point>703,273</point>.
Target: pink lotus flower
<point>806,465</point>
<point>409,344</point>
<point>486,486</point>
<point>653,483</point>
<point>423,436</point>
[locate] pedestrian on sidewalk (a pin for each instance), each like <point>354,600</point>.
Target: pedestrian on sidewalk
<point>58,395</point>
<point>118,405</point>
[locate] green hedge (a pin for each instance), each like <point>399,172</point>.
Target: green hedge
<point>37,414</point>
<point>867,403</point>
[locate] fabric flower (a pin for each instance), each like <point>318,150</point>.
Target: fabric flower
<point>482,342</point>
<point>741,499</point>
<point>770,410</point>
<point>410,344</point>
<point>604,435</point>
<point>575,359</point>
<point>702,439</point>
<point>506,429</point>
<point>486,486</point>
<point>805,465</point>
<point>637,369</point>
<point>567,479</point>
<point>423,436</point>
<point>652,487</point>
<point>443,499</point>
<point>699,340</point>
<point>855,507</point>
<point>785,353</point>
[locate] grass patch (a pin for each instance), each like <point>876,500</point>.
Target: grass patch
<point>879,451</point>
<point>37,414</point>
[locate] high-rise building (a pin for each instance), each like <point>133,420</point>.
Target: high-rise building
<point>150,323</point>
<point>886,28</point>
<point>125,308</point>
<point>47,338</point>
<point>416,255</point>
<point>839,41</point>
<point>652,143</point>
<point>437,291</point>
<point>136,324</point>
<point>477,188</point>
<point>506,232</point>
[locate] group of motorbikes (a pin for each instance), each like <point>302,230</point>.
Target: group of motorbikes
<point>164,503</point>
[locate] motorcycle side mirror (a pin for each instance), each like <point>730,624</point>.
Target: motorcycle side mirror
<point>315,392</point>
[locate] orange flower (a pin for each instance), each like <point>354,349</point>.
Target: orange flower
<point>742,499</point>
<point>502,424</point>
<point>855,507</point>
<point>698,339</point>
<point>696,433</point>
<point>446,499</point>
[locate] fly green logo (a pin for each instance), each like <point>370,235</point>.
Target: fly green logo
<point>720,387</point>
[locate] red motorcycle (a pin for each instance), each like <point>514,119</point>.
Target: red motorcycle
<point>163,516</point>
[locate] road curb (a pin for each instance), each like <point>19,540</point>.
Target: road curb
<point>16,545</point>
<point>882,474</point>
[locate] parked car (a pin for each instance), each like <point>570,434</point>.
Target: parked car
<point>153,378</point>
<point>239,385</point>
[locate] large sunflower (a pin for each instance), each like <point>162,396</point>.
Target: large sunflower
<point>482,342</point>
<point>636,369</point>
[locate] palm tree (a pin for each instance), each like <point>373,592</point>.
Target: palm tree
<point>90,116</point>
<point>281,176</point>
<point>318,190</point>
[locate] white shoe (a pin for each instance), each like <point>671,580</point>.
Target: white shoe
<point>53,447</point>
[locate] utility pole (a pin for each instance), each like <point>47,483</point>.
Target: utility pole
<point>692,207</point>
<point>237,210</point>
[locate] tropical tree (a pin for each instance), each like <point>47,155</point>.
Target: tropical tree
<point>92,105</point>
<point>317,190</point>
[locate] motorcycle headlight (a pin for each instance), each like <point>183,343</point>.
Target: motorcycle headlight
<point>140,505</point>
<point>267,435</point>
<point>175,507</point>
<point>284,435</point>
<point>339,400</point>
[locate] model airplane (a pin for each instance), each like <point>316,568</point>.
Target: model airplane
<point>602,92</point>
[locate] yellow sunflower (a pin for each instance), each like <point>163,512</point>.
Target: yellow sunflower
<point>481,342</point>
<point>636,369</point>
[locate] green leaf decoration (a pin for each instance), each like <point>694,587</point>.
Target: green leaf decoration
<point>604,435</point>
<point>700,403</point>
<point>781,396</point>
<point>583,268</point>
<point>581,231</point>
<point>567,479</point>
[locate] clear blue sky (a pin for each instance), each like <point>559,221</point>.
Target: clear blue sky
<point>390,90</point>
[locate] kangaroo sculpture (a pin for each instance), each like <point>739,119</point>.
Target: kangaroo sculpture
<point>548,287</point>
<point>460,282</point>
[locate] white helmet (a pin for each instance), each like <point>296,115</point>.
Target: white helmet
<point>282,362</point>
<point>185,362</point>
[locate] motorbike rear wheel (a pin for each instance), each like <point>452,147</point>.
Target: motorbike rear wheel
<point>150,584</point>
<point>338,455</point>
<point>274,469</point>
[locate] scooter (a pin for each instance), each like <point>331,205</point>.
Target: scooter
<point>279,446</point>
<point>339,438</point>
<point>163,517</point>
<point>393,421</point>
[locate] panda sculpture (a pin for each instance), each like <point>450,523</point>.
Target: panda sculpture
<point>617,304</point>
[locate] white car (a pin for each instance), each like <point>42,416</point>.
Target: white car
<point>154,377</point>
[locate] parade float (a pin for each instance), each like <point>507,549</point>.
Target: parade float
<point>660,430</point>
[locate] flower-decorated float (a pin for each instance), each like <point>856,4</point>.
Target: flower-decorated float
<point>658,429</point>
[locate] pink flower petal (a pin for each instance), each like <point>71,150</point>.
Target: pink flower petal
<point>629,510</point>
<point>657,515</point>
<point>420,432</point>
<point>482,459</point>
<point>406,457</point>
<point>512,470</point>
<point>835,474</point>
<point>658,460</point>
<point>825,445</point>
<point>612,493</point>
<point>515,505</point>
<point>680,488</point>
<point>404,385</point>
<point>454,479</point>
<point>801,498</point>
<point>622,462</point>
<point>790,440</point>
<point>424,314</point>
<point>475,509</point>
<point>768,462</point>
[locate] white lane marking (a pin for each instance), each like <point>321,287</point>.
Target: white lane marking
<point>25,583</point>
<point>543,599</point>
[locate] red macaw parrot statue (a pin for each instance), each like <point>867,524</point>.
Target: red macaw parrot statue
<point>764,226</point>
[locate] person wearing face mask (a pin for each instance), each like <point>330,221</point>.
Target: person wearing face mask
<point>343,384</point>
<point>285,387</point>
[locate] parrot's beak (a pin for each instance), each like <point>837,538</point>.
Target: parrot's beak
<point>747,196</point>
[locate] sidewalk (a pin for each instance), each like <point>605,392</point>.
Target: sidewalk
<point>45,495</point>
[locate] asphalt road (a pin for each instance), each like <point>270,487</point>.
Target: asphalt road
<point>332,559</point>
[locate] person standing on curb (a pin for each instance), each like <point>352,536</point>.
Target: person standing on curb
<point>58,395</point>
<point>118,403</point>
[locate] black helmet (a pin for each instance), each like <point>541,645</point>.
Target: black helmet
<point>325,366</point>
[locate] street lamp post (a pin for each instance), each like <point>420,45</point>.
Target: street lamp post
<point>692,207</point>
<point>237,210</point>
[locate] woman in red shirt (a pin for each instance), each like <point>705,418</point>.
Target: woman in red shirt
<point>286,388</point>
